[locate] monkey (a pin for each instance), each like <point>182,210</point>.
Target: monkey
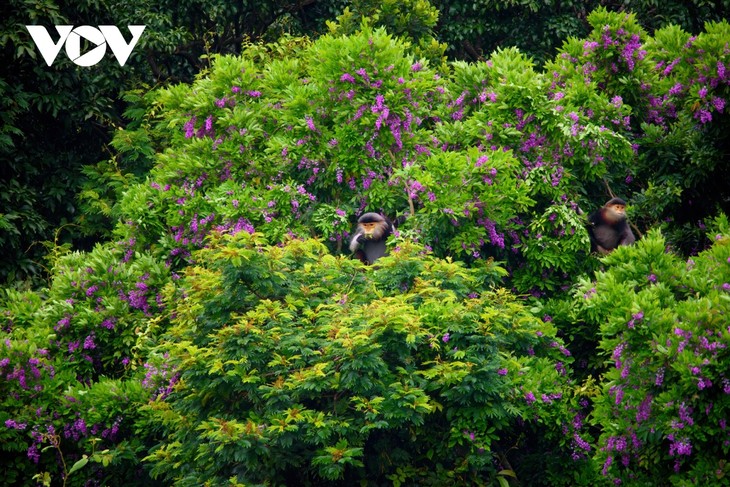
<point>608,227</point>
<point>368,241</point>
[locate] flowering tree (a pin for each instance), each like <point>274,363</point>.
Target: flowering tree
<point>664,336</point>
<point>206,341</point>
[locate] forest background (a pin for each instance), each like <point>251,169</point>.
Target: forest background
<point>177,305</point>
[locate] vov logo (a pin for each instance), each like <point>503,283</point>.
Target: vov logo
<point>71,37</point>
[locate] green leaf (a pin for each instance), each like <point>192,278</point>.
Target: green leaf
<point>79,464</point>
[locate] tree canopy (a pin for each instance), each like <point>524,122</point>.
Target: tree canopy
<point>60,172</point>
<point>219,333</point>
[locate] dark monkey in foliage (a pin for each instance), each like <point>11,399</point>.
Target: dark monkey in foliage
<point>608,227</point>
<point>368,242</point>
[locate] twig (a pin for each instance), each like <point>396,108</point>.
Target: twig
<point>608,188</point>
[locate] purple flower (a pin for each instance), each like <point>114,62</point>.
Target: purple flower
<point>644,410</point>
<point>310,124</point>
<point>667,71</point>
<point>11,423</point>
<point>62,323</point>
<point>704,116</point>
<point>676,89</point>
<point>33,454</point>
<point>495,237</point>
<point>721,70</point>
<point>652,277</point>
<point>681,447</point>
<point>619,396</point>
<point>446,338</point>
<point>502,371</point>
<point>606,465</point>
<point>347,78</point>
<point>581,443</point>
<point>80,426</point>
<point>685,414</point>
<point>618,352</point>
<point>530,397</point>
<point>190,128</point>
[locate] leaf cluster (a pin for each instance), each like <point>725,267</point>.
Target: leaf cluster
<point>295,364</point>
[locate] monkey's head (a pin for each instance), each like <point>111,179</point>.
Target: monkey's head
<point>614,210</point>
<point>373,226</point>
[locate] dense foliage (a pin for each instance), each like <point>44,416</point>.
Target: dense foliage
<point>665,335</point>
<point>222,336</point>
<point>412,373</point>
<point>472,29</point>
<point>57,122</point>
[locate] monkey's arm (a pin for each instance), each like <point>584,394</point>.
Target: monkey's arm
<point>627,236</point>
<point>355,241</point>
<point>591,223</point>
<point>356,249</point>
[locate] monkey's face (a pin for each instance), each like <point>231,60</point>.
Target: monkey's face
<point>370,230</point>
<point>372,226</point>
<point>615,213</point>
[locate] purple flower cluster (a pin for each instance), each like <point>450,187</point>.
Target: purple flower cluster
<point>549,398</point>
<point>29,373</point>
<point>241,225</point>
<point>495,237</point>
<point>205,130</point>
<point>12,424</point>
<point>704,84</point>
<point>636,317</point>
<point>680,447</point>
<point>160,380</point>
